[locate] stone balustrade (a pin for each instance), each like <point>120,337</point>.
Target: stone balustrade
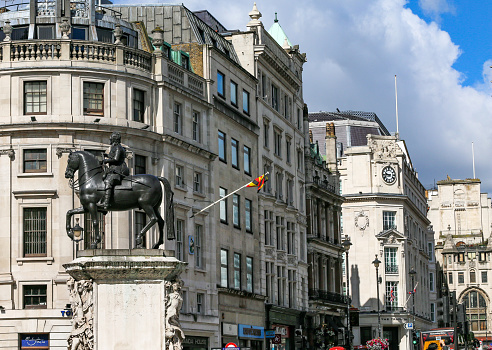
<point>15,53</point>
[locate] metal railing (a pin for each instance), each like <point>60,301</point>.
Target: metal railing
<point>391,269</point>
<point>317,294</point>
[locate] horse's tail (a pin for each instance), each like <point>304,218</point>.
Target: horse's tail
<point>169,194</point>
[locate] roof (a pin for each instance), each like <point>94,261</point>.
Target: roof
<point>278,33</point>
<point>348,115</point>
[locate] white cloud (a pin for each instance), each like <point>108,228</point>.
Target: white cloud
<point>435,8</point>
<point>355,47</point>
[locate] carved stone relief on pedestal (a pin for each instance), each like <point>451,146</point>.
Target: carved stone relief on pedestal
<point>81,301</point>
<point>173,302</point>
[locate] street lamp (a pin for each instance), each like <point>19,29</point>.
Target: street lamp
<point>376,263</point>
<point>412,274</point>
<point>346,245</point>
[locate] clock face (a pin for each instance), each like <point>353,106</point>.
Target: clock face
<point>389,174</point>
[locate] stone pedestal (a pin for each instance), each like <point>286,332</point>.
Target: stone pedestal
<point>124,299</point>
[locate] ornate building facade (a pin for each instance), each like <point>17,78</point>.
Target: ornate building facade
<point>461,215</point>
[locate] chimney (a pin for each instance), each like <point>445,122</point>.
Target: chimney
<point>331,147</point>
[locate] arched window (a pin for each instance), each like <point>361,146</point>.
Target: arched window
<point>476,310</point>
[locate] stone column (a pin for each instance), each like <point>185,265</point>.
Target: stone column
<point>125,299</point>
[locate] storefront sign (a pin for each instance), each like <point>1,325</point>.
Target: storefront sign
<point>270,334</point>
<point>189,340</point>
<point>247,331</point>
<point>282,330</point>
<point>229,329</point>
<point>35,340</point>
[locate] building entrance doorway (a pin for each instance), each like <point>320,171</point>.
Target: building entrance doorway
<point>391,333</point>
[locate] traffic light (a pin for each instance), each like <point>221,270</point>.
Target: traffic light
<point>415,338</point>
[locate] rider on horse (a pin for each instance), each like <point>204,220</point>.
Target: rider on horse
<point>117,167</point>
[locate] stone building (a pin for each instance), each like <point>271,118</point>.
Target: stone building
<point>277,65</point>
<point>69,93</point>
<point>461,216</point>
<point>384,214</point>
<point>328,302</point>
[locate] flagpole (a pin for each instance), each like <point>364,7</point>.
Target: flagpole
<point>230,194</point>
<point>410,294</point>
<point>211,205</point>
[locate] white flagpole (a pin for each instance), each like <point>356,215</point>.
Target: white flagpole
<point>396,104</point>
<point>414,288</point>
<point>221,199</point>
<point>473,159</point>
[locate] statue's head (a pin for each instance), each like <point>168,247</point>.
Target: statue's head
<point>115,137</point>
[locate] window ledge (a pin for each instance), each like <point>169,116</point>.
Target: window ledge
<point>35,175</point>
<point>181,188</point>
<point>35,193</point>
<point>200,270</point>
<point>48,259</point>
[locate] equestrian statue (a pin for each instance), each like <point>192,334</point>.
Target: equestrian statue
<point>107,186</point>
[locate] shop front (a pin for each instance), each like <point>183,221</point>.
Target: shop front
<point>284,322</point>
<point>195,343</point>
<point>251,337</point>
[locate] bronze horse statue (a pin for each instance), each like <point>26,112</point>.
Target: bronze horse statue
<point>136,192</point>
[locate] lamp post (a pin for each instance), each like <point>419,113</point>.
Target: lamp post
<point>376,263</point>
<point>346,245</point>
<point>412,274</point>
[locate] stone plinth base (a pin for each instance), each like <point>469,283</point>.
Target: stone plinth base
<point>118,298</point>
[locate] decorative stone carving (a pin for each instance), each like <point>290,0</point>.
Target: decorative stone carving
<point>82,333</point>
<point>174,301</point>
<point>65,28</point>
<point>361,220</point>
<point>9,152</point>
<point>383,149</point>
<point>118,33</point>
<point>7,30</point>
<point>391,239</point>
<point>60,150</point>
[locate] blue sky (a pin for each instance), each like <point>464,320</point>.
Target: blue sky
<point>469,23</point>
<point>439,49</point>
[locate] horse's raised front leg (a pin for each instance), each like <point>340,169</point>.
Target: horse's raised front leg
<point>70,213</point>
<point>149,210</point>
<point>95,224</point>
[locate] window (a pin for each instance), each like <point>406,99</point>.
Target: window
<point>45,32</point>
<point>247,160</point>
<point>476,310</point>
<point>280,285</point>
<point>246,102</point>
<point>179,239</point>
<point>78,33</point>
<point>235,153</point>
<point>35,100</point>
<point>223,205</point>
<point>450,277</point>
<point>20,33</point>
<point>484,277</point>
<point>179,176</point>
<point>178,119</point>
<point>264,91</point>
<point>391,294</point>
<point>185,61</point>
<point>287,150</point>
<point>430,251</point>
<point>266,134</point>
<point>290,192</point>
<point>300,163</point>
<point>291,275</point>
<point>220,84</point>
<point>105,35</point>
<point>200,297</point>
<point>35,161</point>
<point>235,211</point>
<point>278,143</point>
<point>93,98</point>
<point>197,132</point>
<point>35,232</point>
<point>249,274</point>
<point>140,164</point>
<point>461,278</point>
<point>223,268</point>
<point>267,187</point>
<point>237,271</point>
<point>433,312</point>
<point>473,276</point>
<point>233,93</point>
<point>138,105</point>
<point>198,245</point>
<point>268,227</point>
<point>247,215</point>
<point>431,281</point>
<point>461,257</point>
<point>275,97</point>
<point>299,120</point>
<point>140,222</point>
<point>222,146</point>
<point>270,280</point>
<point>389,220</point>
<point>390,261</point>
<point>280,232</point>
<point>278,185</point>
<point>35,296</point>
<point>197,182</point>
<point>291,238</point>
<point>482,256</point>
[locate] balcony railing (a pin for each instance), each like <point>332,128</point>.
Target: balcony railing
<point>316,294</point>
<point>391,269</point>
<point>395,309</point>
<point>17,52</point>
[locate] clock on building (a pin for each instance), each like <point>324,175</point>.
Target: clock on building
<point>389,174</point>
